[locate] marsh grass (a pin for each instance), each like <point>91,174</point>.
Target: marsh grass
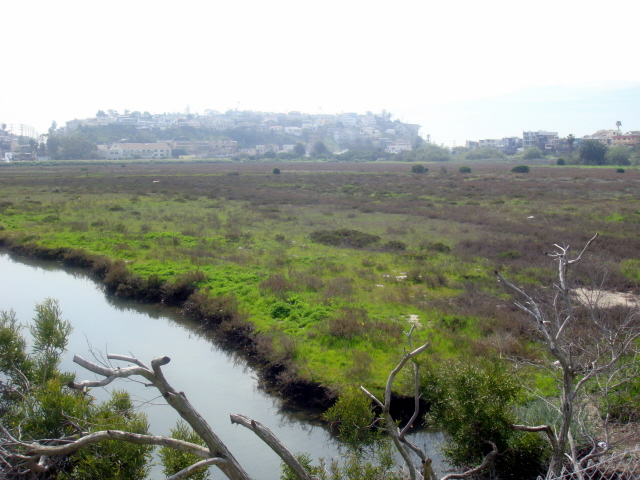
<point>317,271</point>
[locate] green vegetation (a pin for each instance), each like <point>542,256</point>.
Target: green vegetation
<point>472,401</point>
<point>531,153</point>
<point>618,155</point>
<point>424,153</point>
<point>36,403</point>
<point>419,169</point>
<point>464,169</point>
<point>484,154</point>
<point>319,271</point>
<point>592,152</point>
<point>520,169</point>
<point>175,460</point>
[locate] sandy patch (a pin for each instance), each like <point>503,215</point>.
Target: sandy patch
<point>604,299</point>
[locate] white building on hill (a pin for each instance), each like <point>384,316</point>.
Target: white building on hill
<point>119,151</point>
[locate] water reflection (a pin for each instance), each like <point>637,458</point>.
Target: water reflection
<point>216,380</point>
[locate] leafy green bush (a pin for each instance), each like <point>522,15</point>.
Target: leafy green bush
<point>276,171</point>
<point>435,247</point>
<point>520,169</point>
<point>464,169</point>
<point>174,460</point>
<point>561,161</point>
<point>592,152</point>
<point>36,404</point>
<point>472,402</point>
<point>618,155</point>
<point>344,237</point>
<point>352,417</point>
<point>619,170</point>
<point>531,153</point>
<point>418,169</point>
<point>395,245</point>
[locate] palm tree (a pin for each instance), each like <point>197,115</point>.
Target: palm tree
<point>618,124</point>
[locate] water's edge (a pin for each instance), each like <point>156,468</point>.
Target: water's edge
<point>217,378</point>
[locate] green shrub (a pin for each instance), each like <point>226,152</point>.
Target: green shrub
<point>531,153</point>
<point>344,237</point>
<point>276,171</point>
<point>395,245</point>
<point>560,161</point>
<point>619,170</point>
<point>472,402</point>
<point>435,247</point>
<point>174,460</point>
<point>520,169</point>
<point>464,169</point>
<point>618,155</point>
<point>280,310</point>
<point>418,169</point>
<point>352,416</point>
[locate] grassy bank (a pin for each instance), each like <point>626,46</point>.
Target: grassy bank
<point>320,269</point>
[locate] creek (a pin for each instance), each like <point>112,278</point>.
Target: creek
<point>215,381</point>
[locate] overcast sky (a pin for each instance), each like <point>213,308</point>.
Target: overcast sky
<point>462,69</point>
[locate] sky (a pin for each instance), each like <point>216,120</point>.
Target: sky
<point>464,70</point>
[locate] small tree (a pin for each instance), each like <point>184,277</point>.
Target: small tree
<point>464,169</point>
<point>300,149</point>
<point>618,155</point>
<point>531,153</point>
<point>419,169</point>
<point>35,403</point>
<point>592,152</point>
<point>561,161</point>
<point>319,148</point>
<point>276,171</point>
<point>520,169</point>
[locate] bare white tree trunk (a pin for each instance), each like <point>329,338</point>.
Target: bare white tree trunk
<point>576,355</point>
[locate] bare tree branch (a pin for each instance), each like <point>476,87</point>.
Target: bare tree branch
<point>275,444</point>
<point>485,463</point>
<point>192,468</point>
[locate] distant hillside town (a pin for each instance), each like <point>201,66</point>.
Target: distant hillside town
<point>256,135</point>
<point>551,142</point>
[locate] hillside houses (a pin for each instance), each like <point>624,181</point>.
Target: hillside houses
<point>250,132</point>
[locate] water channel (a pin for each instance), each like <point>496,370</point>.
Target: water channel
<point>215,381</point>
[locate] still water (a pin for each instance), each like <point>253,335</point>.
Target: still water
<point>215,382</point>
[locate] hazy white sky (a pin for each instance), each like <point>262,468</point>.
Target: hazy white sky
<point>462,69</point>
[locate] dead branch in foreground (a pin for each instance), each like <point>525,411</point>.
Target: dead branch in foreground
<point>37,456</point>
